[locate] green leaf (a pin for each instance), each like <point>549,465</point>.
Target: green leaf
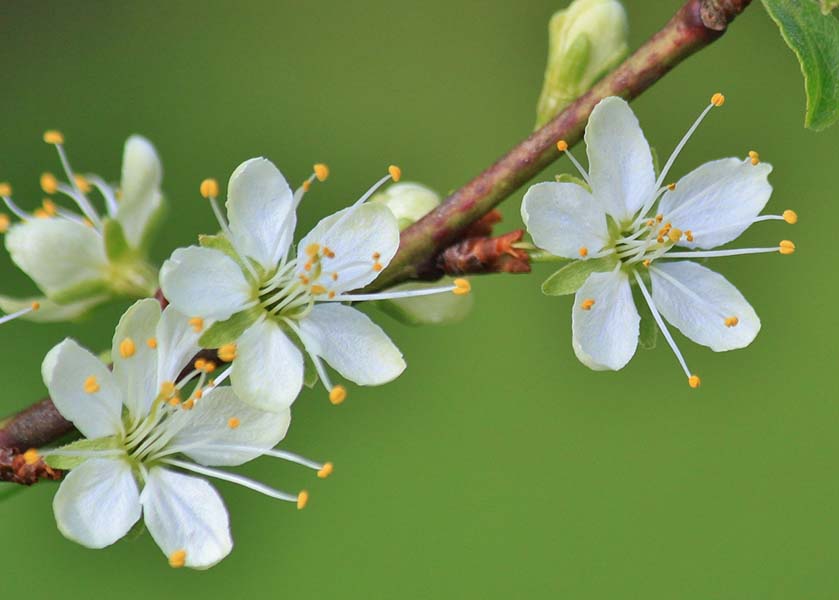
<point>814,38</point>
<point>116,246</point>
<point>572,276</point>
<point>226,332</point>
<point>568,178</point>
<point>83,445</point>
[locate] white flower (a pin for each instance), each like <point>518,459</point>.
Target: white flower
<point>270,304</point>
<point>144,427</point>
<point>622,239</point>
<point>80,259</point>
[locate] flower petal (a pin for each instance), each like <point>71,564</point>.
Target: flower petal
<point>268,370</point>
<point>620,162</point>
<point>205,283</point>
<point>698,301</point>
<point>363,239</point>
<point>135,361</point>
<point>220,421</point>
<point>605,335</point>
<point>260,207</point>
<point>57,254</point>
<point>717,201</point>
<point>352,344</point>
<point>49,311</point>
<point>185,513</point>
<point>68,370</point>
<point>141,198</point>
<point>177,344</point>
<point>97,503</point>
<point>562,218</point>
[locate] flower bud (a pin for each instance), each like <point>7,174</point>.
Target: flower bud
<point>409,202</point>
<point>585,41</point>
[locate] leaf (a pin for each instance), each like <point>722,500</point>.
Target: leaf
<point>116,246</point>
<point>572,276</point>
<point>814,38</point>
<point>83,445</point>
<point>226,332</point>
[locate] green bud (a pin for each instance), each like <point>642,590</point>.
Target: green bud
<point>585,41</point>
<point>409,202</point>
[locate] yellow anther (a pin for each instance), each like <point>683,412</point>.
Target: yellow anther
<point>377,266</point>
<point>197,324</point>
<point>167,389</point>
<point>318,289</point>
<point>659,218</point>
<point>91,385</point>
<point>199,364</point>
<point>461,287</point>
<point>35,306</point>
<point>49,207</point>
<point>334,276</point>
<point>127,348</point>
<point>307,266</point>
<point>53,137</point>
<point>303,279</point>
<point>326,470</point>
<point>731,321</point>
<point>31,456</point>
<point>651,222</point>
<point>5,222</point>
<point>671,186</point>
<point>328,253</point>
<point>395,172</point>
<point>302,499</point>
<point>227,352</point>
<point>198,394</point>
<point>174,400</point>
<point>209,188</point>
<point>718,99</point>
<point>151,343</point>
<point>694,381</point>
<point>337,394</point>
<point>786,247</point>
<point>675,235</point>
<point>377,255</point>
<point>49,183</point>
<point>312,250</point>
<point>562,145</point>
<point>233,422</point>
<point>82,183</point>
<point>331,295</point>
<point>754,156</point>
<point>583,251</point>
<point>189,404</point>
<point>689,235</point>
<point>177,559</point>
<point>321,171</point>
<point>587,304</point>
<point>647,263</point>
<point>40,213</point>
<point>790,216</point>
<point>5,189</point>
<point>306,185</point>
<point>209,366</point>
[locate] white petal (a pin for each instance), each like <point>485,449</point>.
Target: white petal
<point>620,162</point>
<point>97,503</point>
<point>562,218</point>
<point>208,437</point>
<point>717,201</point>
<point>65,369</point>
<point>606,335</point>
<point>697,301</point>
<point>268,370</point>
<point>260,207</point>
<point>140,187</point>
<point>205,283</point>
<point>186,513</point>
<point>177,344</point>
<point>354,235</point>
<point>352,344</point>
<point>56,253</point>
<point>135,362</point>
<point>49,311</point>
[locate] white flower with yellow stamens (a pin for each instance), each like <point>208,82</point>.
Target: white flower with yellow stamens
<point>622,224</point>
<point>80,258</point>
<point>272,305</point>
<point>144,428</point>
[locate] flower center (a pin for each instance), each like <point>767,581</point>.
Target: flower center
<point>647,239</point>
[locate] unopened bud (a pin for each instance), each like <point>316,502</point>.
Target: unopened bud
<point>409,202</point>
<point>585,41</point>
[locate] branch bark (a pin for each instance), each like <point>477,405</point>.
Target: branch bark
<point>421,252</point>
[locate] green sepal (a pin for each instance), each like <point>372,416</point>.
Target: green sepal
<point>310,373</point>
<point>105,356</point>
<point>648,329</point>
<point>572,276</point>
<point>153,223</point>
<point>85,445</point>
<point>568,178</point>
<point>116,246</point>
<point>228,331</point>
<point>222,244</point>
<point>571,67</point>
<point>814,38</point>
<point>656,162</point>
<point>81,291</point>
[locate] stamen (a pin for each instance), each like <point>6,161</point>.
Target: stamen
<point>587,304</point>
<point>91,385</point>
<point>127,348</point>
<point>675,235</point>
<point>321,171</point>
<point>731,321</point>
<point>82,183</point>
<point>53,137</point>
<point>24,311</point>
<point>233,422</point>
<point>209,188</point>
<point>227,352</point>
<point>395,172</point>
<point>177,559</point>
<point>790,216</point>
<point>694,381</point>
<point>754,157</point>
<point>716,100</point>
<point>197,324</point>
<point>786,247</point>
<point>151,343</point>
<point>461,287</point>
<point>337,394</point>
<point>79,184</point>
<point>49,207</point>
<point>562,146</point>
<point>671,186</point>
<point>5,222</point>
<point>5,189</point>
<point>326,471</point>
<point>49,183</point>
<point>733,252</point>
<point>583,251</point>
<point>233,478</point>
<point>302,499</point>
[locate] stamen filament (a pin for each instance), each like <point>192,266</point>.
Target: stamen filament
<point>718,253</point>
<point>681,144</point>
<point>232,478</point>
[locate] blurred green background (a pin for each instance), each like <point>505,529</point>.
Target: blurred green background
<point>497,466</point>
